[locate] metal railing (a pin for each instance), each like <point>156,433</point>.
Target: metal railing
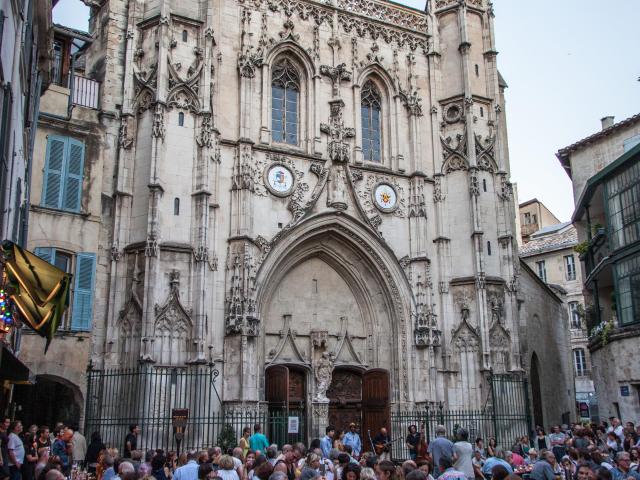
<point>86,92</point>
<point>146,396</point>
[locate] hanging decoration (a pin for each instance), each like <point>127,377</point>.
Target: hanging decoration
<point>6,312</point>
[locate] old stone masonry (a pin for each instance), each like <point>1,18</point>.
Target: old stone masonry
<point>312,195</point>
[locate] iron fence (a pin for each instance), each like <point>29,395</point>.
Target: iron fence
<point>505,418</point>
<point>146,396</point>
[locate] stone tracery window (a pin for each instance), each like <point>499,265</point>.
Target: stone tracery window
<point>370,101</point>
<point>285,91</point>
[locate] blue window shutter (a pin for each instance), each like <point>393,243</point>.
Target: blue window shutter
<point>54,166</point>
<point>73,176</point>
<point>46,253</point>
<point>83,292</point>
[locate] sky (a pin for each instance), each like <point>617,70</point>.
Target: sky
<point>568,63</point>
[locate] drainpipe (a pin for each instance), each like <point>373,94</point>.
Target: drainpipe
<point>32,141</point>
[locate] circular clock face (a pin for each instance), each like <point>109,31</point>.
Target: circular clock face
<point>385,197</point>
<point>280,180</point>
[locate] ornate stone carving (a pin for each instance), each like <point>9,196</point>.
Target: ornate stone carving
<point>481,281</point>
<point>454,155</point>
<point>319,338</point>
<point>452,112</point>
<point>474,184</point>
<point>322,372</point>
<point>240,303</point>
<point>124,140</point>
<point>506,188</point>
<point>365,194</point>
<point>151,247</point>
<point>158,129</point>
<point>116,252</point>
<point>411,101</point>
<point>386,13</point>
<point>375,31</point>
<point>484,153</point>
<point>438,194</point>
<point>337,75</point>
<point>338,133</point>
<point>205,136</point>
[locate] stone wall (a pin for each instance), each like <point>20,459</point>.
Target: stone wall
<point>616,371</point>
<point>545,336</point>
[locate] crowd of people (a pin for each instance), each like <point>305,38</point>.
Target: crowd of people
<point>579,452</point>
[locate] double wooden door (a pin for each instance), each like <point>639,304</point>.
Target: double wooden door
<point>354,396</point>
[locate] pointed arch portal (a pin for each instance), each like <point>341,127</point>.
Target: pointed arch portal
<point>336,279</point>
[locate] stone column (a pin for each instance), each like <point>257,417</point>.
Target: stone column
<point>319,417</point>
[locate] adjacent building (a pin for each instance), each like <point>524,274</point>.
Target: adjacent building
<point>534,215</point>
<point>65,219</point>
<point>605,171</point>
<point>305,207</point>
<point>550,253</point>
<point>25,39</point>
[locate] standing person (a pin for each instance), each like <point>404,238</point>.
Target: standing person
<point>353,439</point>
<point>326,444</point>
<point>131,440</point>
<point>463,453</point>
<point>440,447</point>
<point>4,447</point>
<point>243,443</point>
<point>338,440</point>
<point>189,471</point>
<point>287,465</point>
<point>412,441</point>
<point>30,458</point>
<point>93,452</point>
<point>558,439</point>
<point>258,442</point>
<point>492,446</point>
<point>62,448</point>
<point>43,440</point>
<point>541,441</point>
<point>382,443</point>
<point>16,451</point>
<point>79,444</point>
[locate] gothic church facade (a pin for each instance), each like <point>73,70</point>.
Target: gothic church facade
<point>314,191</point>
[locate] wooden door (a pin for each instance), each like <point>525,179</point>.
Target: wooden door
<point>277,386</point>
<point>375,404</point>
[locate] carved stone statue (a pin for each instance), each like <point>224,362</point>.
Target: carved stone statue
<point>323,374</point>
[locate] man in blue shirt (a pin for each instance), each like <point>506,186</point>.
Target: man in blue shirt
<point>440,447</point>
<point>190,470</point>
<point>326,444</point>
<point>258,441</point>
<point>497,459</point>
<point>353,439</point>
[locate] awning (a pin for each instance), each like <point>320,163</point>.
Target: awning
<point>11,368</point>
<point>39,290</point>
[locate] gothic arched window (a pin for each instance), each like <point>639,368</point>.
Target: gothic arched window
<point>371,121</point>
<point>285,90</point>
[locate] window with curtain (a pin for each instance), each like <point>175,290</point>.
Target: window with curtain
<point>285,91</point>
<point>370,113</point>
